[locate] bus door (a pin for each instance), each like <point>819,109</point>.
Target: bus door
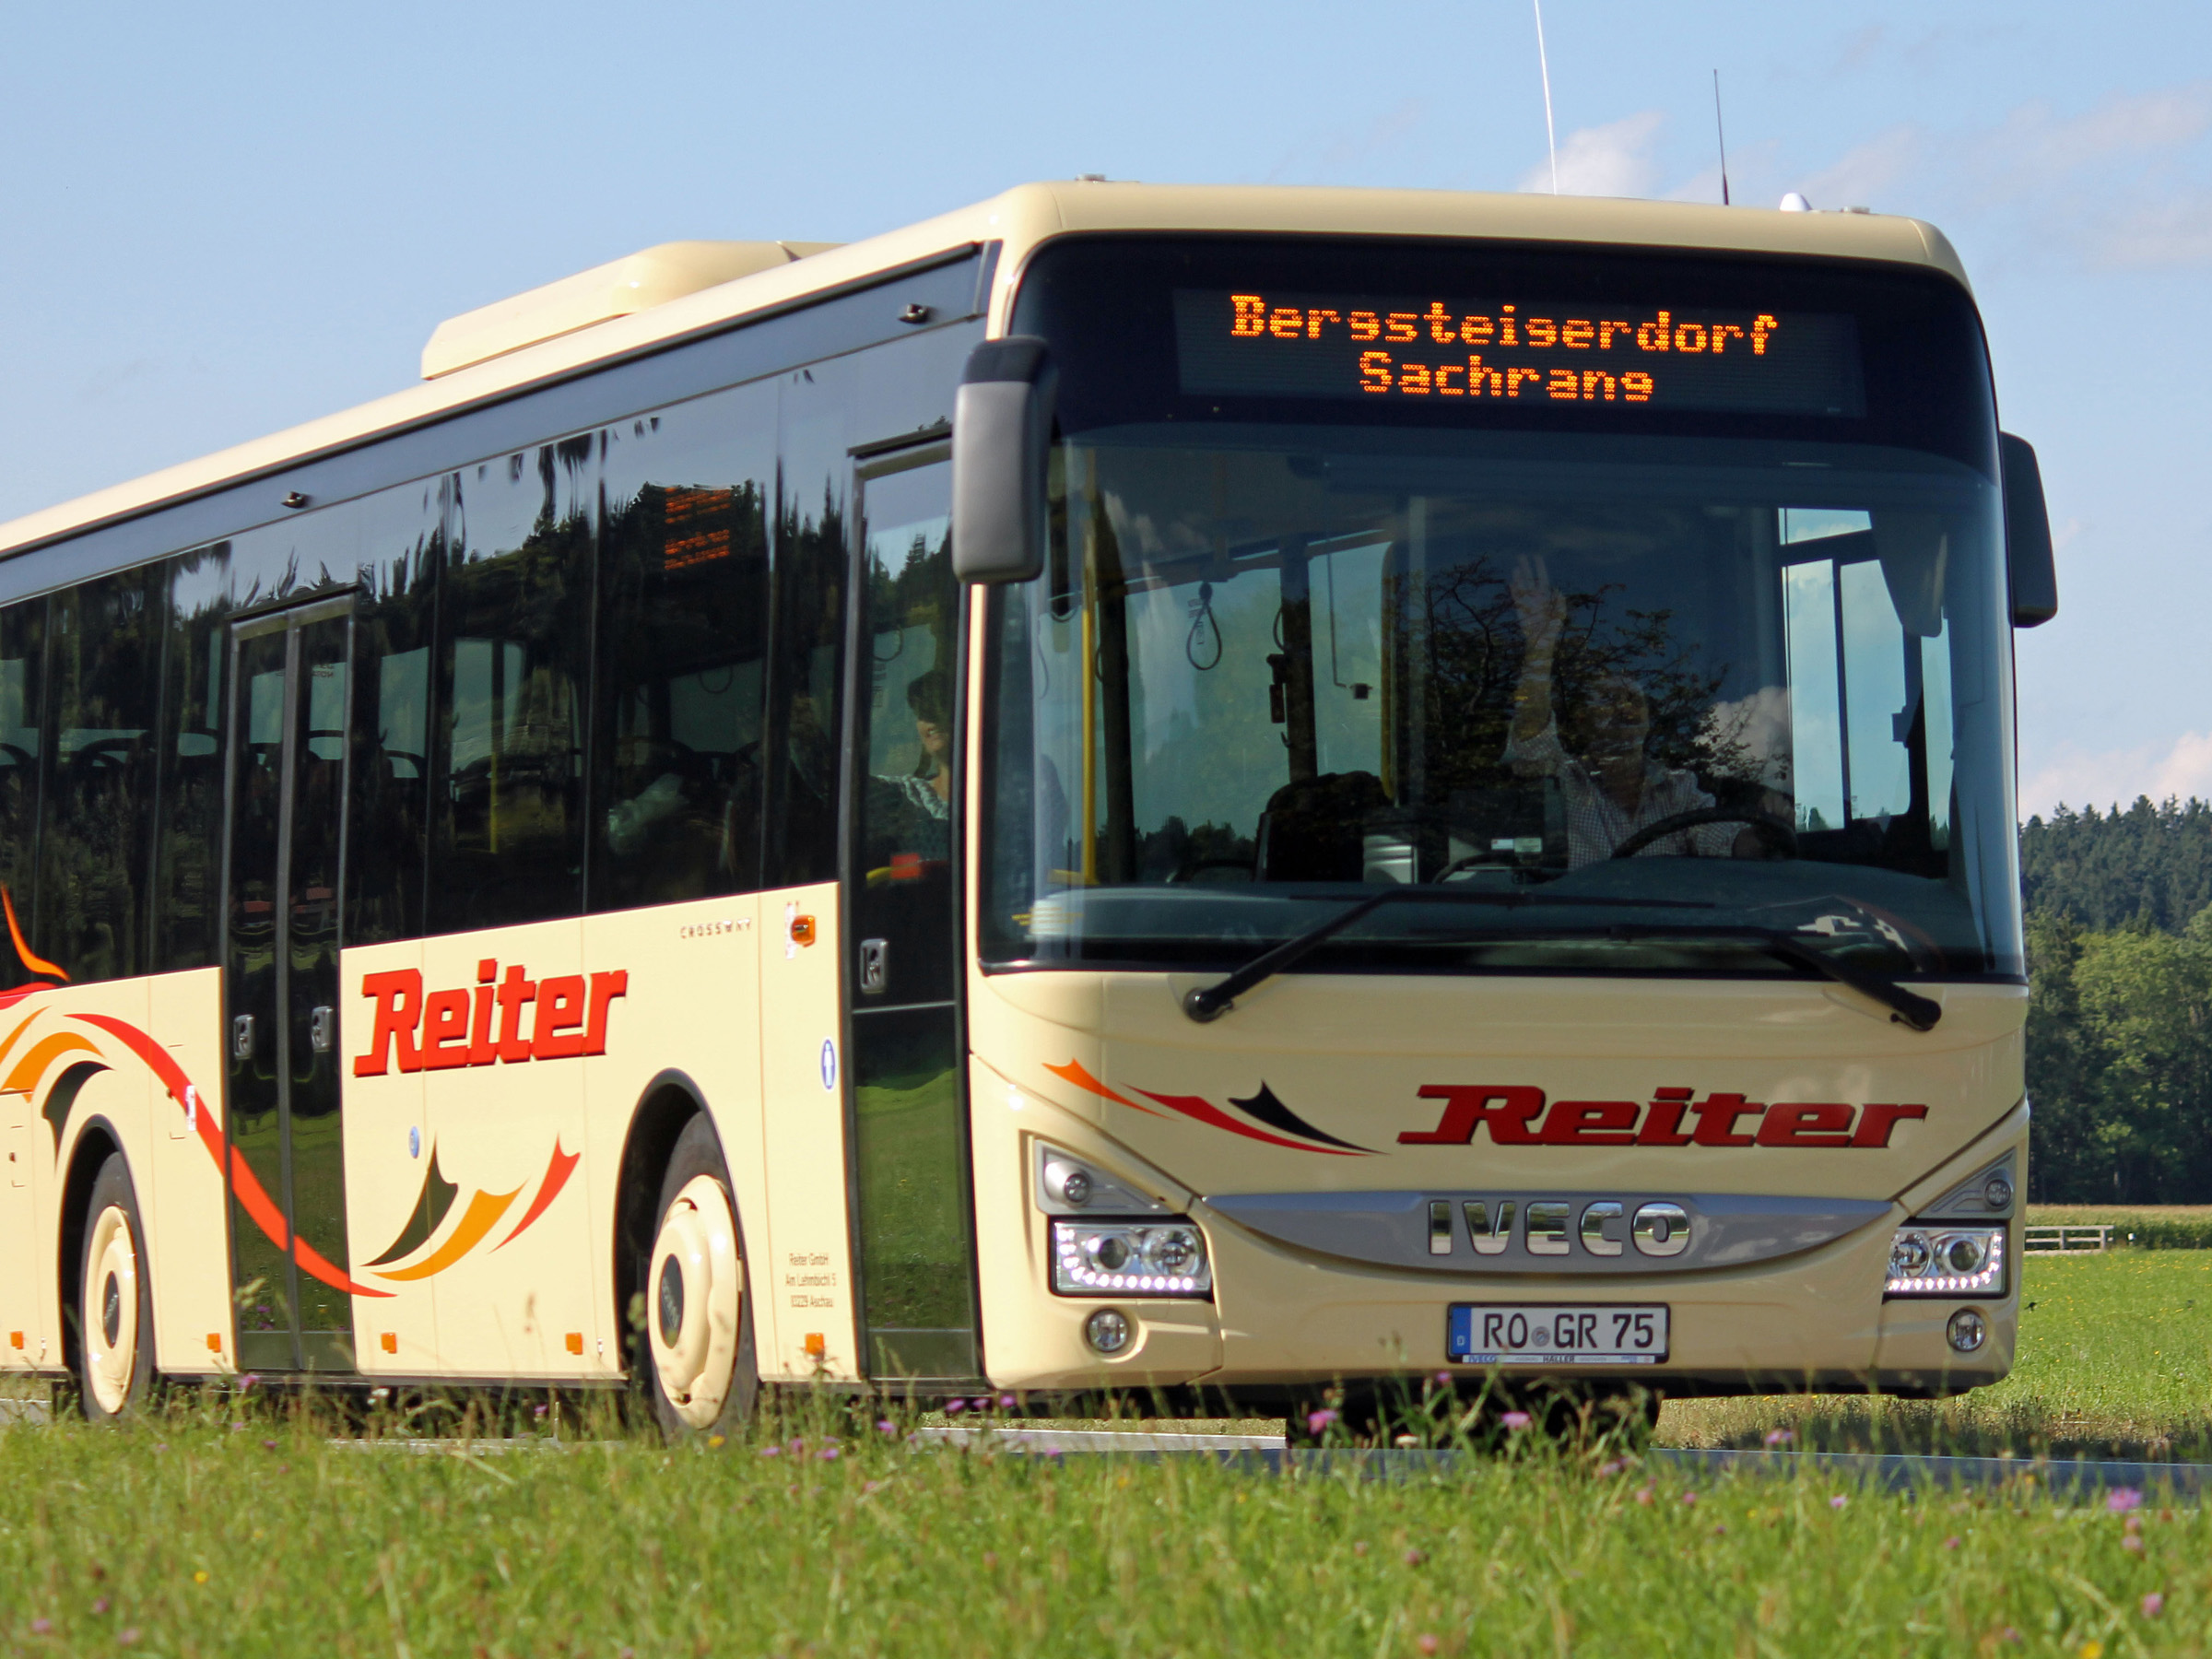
<point>283,853</point>
<point>908,1124</point>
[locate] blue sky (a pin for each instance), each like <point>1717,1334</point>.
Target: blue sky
<point>224,219</point>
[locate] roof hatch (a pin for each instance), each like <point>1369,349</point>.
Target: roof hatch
<point>636,283</point>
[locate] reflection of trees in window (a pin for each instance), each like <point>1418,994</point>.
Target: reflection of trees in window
<point>22,741</point>
<point>103,681</point>
<point>809,622</point>
<point>188,875</point>
<point>516,624</point>
<point>683,602</point>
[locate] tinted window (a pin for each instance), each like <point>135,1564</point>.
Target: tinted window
<point>401,544</point>
<point>813,480</point>
<point>22,740</point>
<point>683,648</point>
<point>103,680</point>
<point>514,632</point>
<point>187,872</point>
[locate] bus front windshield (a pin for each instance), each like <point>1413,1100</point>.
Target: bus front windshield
<point>1610,700</point>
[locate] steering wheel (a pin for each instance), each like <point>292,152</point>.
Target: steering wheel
<point>1777,832</point>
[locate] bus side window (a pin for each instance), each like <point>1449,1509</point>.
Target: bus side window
<point>402,547</point>
<point>188,869</point>
<point>103,673</point>
<point>811,552</point>
<point>515,636</point>
<point>683,616</point>
<point>22,723</point>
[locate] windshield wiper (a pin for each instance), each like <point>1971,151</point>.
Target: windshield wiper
<point>1906,1007</point>
<point>1210,1002</point>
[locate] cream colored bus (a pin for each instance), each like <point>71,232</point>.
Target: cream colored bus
<point>1443,804</point>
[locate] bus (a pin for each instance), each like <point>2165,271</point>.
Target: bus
<point>1221,793</point>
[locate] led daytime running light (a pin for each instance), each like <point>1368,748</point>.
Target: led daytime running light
<point>1092,1258</point>
<point>1932,1247</point>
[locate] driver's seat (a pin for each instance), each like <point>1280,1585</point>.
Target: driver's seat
<point>1315,828</point>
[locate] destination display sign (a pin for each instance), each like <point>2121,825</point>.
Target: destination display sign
<point>1506,351</point>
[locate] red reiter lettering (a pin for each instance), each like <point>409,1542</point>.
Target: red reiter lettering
<point>459,1028</point>
<point>1510,1112</point>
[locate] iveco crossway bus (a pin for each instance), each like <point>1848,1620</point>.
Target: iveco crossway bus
<point>1227,793</point>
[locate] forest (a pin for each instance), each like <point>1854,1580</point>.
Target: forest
<point>2119,911</point>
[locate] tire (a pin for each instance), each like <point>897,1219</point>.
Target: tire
<point>113,1301</point>
<point>697,1354</point>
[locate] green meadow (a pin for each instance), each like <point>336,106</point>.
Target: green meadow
<point>237,1527</point>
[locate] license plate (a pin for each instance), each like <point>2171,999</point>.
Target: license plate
<point>1555,1334</point>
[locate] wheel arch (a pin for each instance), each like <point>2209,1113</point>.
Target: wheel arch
<point>665,1104</point>
<point>96,1143</point>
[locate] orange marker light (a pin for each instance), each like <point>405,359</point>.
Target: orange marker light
<point>215,1342</point>
<point>817,1345</point>
<point>389,1342</point>
<point>15,1339</point>
<point>575,1342</point>
<point>802,930</point>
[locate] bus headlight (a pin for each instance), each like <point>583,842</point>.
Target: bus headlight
<point>1122,1258</point>
<point>1947,1261</point>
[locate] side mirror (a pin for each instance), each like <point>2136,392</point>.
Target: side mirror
<point>1002,432</point>
<point>2032,573</point>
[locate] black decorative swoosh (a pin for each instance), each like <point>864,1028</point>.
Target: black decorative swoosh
<point>430,1205</point>
<point>1271,1112</point>
<point>63,1096</point>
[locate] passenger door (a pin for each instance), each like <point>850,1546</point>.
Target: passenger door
<point>284,846</point>
<point>908,1101</point>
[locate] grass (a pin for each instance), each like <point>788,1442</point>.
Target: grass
<point>2115,1360</point>
<point>236,1527</point>
<point>209,1535</point>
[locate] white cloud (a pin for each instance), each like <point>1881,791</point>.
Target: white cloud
<point>1611,160</point>
<point>2104,778</point>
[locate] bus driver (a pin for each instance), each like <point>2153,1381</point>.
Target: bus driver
<point>1615,788</point>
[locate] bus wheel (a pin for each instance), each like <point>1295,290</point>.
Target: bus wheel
<point>698,1320</point>
<point>115,1301</point>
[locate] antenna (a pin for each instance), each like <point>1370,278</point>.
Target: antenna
<point>1721,133</point>
<point>1551,137</point>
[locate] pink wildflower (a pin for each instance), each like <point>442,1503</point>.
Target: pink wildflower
<point>2153,1605</point>
<point>828,1455</point>
<point>2133,1544</point>
<point>884,1426</point>
<point>1951,1542</point>
<point>1414,1558</point>
<point>1837,1501</point>
<point>1643,1494</point>
<point>38,1626</point>
<point>954,1407</point>
<point>1427,1644</point>
<point>772,1450</point>
<point>1779,1437</point>
<point>1689,1500</point>
<point>1318,1420</point>
<point>1516,1421</point>
<point>2120,1499</point>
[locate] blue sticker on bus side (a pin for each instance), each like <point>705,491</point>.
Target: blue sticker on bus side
<point>828,1063</point>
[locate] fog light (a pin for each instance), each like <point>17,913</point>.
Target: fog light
<point>1967,1331</point>
<point>1946,1261</point>
<point>1108,1331</point>
<point>1996,1192</point>
<point>1126,1258</point>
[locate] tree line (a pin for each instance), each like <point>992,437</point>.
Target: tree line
<point>2119,911</point>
